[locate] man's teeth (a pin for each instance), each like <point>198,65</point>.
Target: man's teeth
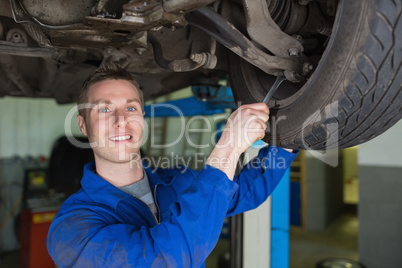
<point>120,138</point>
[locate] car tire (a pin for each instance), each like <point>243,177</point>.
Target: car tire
<point>355,91</point>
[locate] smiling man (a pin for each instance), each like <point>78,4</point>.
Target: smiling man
<point>129,215</point>
<point>114,123</point>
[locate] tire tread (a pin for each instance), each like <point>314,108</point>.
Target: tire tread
<point>376,83</point>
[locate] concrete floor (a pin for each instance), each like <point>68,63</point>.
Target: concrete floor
<point>307,248</point>
<point>338,241</point>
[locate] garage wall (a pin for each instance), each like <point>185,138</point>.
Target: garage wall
<point>380,206</point>
<point>30,126</point>
<point>324,191</point>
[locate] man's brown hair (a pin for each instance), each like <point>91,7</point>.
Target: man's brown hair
<point>106,72</point>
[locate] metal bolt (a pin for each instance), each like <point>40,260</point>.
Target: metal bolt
<point>198,57</point>
<point>17,38</point>
<point>141,50</point>
<point>294,52</point>
<point>307,67</point>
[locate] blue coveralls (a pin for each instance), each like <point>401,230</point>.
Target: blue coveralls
<point>102,226</point>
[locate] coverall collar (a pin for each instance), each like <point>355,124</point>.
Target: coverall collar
<point>106,193</point>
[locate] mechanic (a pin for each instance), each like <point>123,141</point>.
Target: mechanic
<point>128,214</point>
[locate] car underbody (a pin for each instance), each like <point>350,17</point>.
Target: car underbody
<point>339,57</point>
<point>153,40</point>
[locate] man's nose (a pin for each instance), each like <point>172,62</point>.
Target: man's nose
<point>120,119</point>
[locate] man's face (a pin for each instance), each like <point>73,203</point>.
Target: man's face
<point>115,122</point>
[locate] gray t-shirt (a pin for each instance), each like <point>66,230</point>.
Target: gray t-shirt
<point>141,190</point>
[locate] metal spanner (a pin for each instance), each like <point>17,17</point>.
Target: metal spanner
<point>269,95</point>
<point>274,87</point>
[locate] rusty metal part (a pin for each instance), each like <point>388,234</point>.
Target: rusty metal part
<point>5,8</point>
<point>208,20</point>
<point>142,12</point>
<point>263,30</point>
<point>184,5</point>
<point>10,68</point>
<point>57,12</point>
<point>17,36</point>
<point>116,56</point>
<point>100,6</point>
<point>36,34</point>
<point>7,49</point>
<point>93,31</point>
<point>293,77</point>
<point>205,60</point>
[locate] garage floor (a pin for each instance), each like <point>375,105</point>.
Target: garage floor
<point>307,248</point>
<point>338,241</point>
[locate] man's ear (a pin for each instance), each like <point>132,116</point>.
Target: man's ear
<point>81,124</point>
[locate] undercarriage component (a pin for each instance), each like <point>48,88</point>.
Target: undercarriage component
<point>99,8</point>
<point>263,30</point>
<point>184,5</point>
<point>10,68</point>
<point>26,51</point>
<point>196,60</point>
<point>15,42</point>
<point>208,20</point>
<point>49,12</point>
<point>17,36</point>
<point>142,12</point>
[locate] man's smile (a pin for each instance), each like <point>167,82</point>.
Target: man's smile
<point>121,138</point>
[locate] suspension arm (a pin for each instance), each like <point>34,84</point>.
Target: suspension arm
<point>207,20</point>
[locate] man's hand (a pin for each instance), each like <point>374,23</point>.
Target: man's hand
<point>245,126</point>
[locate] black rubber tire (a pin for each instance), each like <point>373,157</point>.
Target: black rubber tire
<point>355,92</point>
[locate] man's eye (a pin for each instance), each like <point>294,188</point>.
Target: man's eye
<point>130,109</point>
<point>103,110</point>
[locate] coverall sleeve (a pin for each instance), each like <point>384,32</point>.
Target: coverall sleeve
<point>83,238</point>
<point>259,177</point>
